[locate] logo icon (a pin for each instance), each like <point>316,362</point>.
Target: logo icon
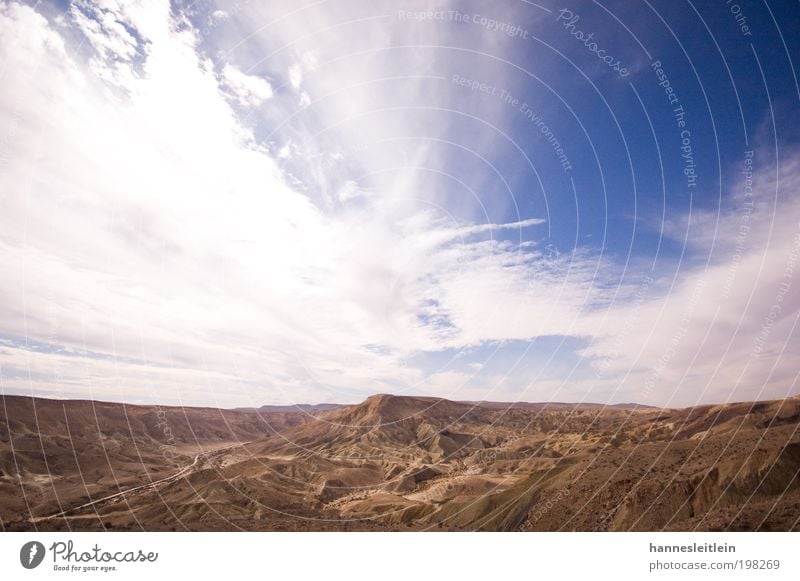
<point>31,554</point>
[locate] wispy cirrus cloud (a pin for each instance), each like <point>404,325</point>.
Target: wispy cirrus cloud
<point>157,229</point>
<point>268,207</point>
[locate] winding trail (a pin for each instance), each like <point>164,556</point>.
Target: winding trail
<point>206,455</point>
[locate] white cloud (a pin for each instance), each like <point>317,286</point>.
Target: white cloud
<point>104,30</point>
<point>248,90</point>
<point>350,190</point>
<point>295,76</point>
<point>726,330</point>
<point>153,230</point>
<point>218,16</point>
<point>151,242</point>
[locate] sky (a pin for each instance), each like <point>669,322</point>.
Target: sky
<point>242,203</point>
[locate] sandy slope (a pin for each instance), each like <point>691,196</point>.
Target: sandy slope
<point>402,463</point>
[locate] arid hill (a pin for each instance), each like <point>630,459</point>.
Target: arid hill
<point>55,453</point>
<point>412,463</point>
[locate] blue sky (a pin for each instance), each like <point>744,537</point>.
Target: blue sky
<point>225,203</point>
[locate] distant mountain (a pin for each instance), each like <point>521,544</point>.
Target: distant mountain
<point>401,463</point>
<point>299,407</point>
<point>552,406</point>
<point>556,406</point>
<point>62,452</point>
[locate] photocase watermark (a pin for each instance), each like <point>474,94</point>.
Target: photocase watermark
<point>679,115</point>
<point>491,24</point>
<point>524,108</point>
<point>65,557</point>
<point>744,223</point>
<point>437,490</point>
<point>169,447</point>
<point>31,554</point>
<point>776,308</point>
<point>485,88</point>
<point>741,19</point>
<point>568,19</point>
<point>536,119</point>
<point>543,508</point>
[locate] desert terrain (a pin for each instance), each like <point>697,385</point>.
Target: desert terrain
<point>396,463</point>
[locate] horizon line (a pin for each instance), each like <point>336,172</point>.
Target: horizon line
<point>339,404</point>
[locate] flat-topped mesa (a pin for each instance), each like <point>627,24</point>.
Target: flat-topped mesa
<point>382,409</point>
<point>401,463</point>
